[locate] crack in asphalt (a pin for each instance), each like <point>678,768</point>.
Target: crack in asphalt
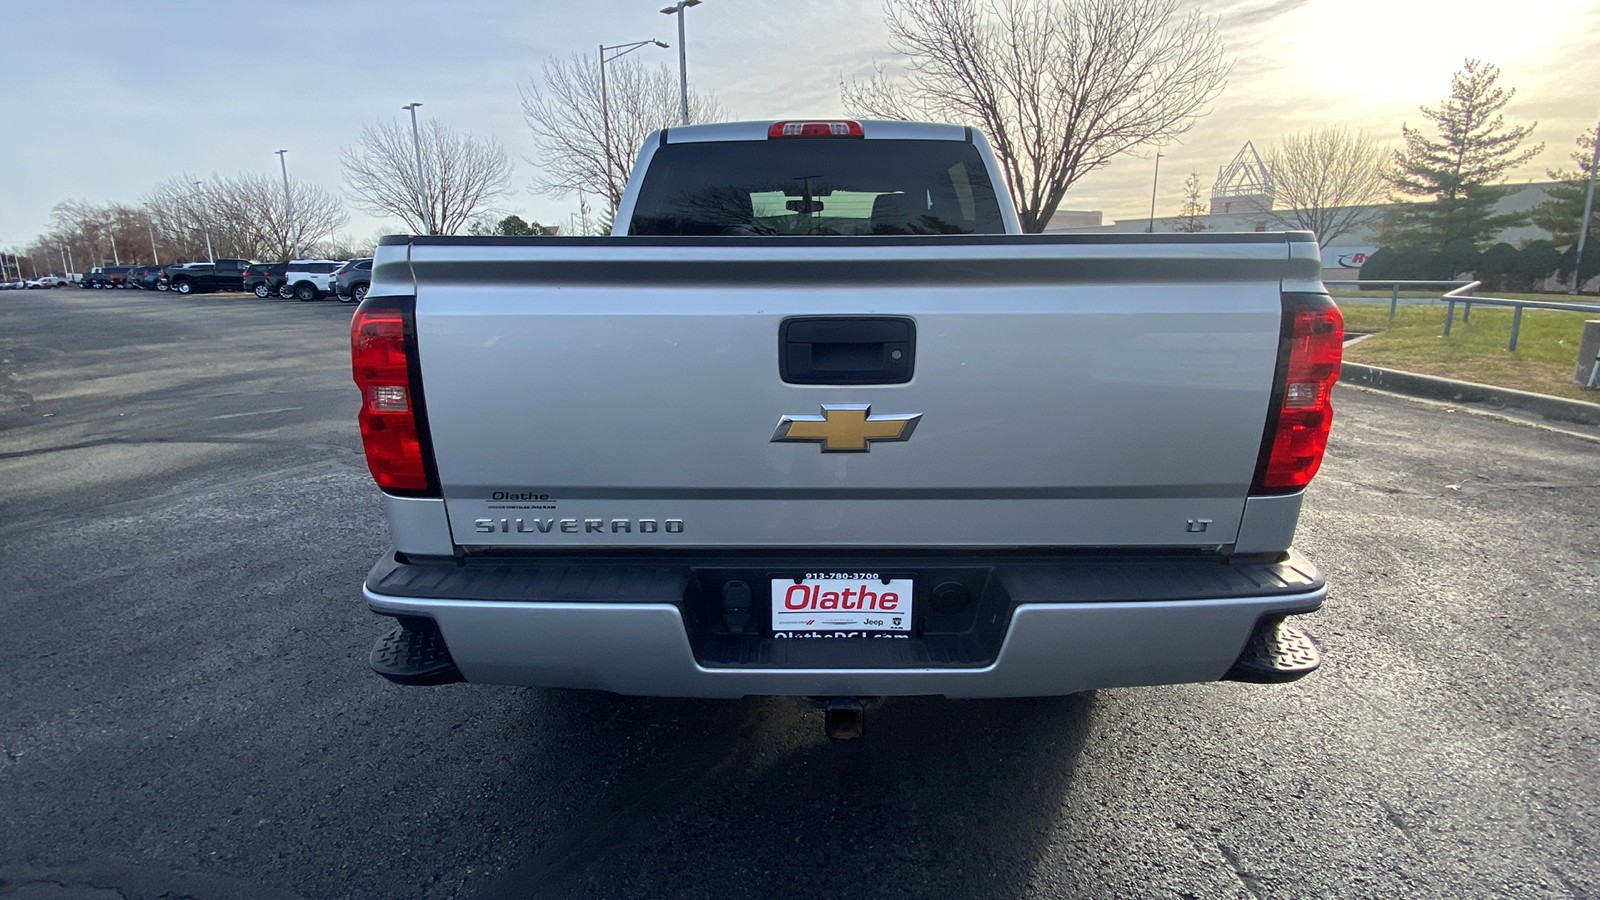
<point>167,497</point>
<point>1250,882</point>
<point>133,442</point>
<point>1397,820</point>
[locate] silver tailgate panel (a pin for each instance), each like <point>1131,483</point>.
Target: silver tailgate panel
<point>1116,400</point>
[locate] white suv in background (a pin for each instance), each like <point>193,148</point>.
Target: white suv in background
<point>310,279</point>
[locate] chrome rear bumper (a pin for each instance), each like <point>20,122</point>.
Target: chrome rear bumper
<point>1050,648</point>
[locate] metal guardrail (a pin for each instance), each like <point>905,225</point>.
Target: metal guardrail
<point>1459,295</point>
<point>1395,286</point>
<point>1461,292</point>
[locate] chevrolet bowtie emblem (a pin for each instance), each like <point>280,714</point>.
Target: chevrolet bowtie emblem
<point>846,428</point>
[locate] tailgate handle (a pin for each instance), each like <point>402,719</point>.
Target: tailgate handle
<point>847,350</point>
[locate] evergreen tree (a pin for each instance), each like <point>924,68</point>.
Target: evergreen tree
<point>1193,208</point>
<point>514,226</point>
<point>1562,214</point>
<point>1458,168</point>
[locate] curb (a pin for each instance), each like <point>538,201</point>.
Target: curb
<point>1432,387</point>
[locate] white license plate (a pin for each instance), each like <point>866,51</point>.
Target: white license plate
<point>840,604</point>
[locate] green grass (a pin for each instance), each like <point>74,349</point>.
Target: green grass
<point>1547,346</point>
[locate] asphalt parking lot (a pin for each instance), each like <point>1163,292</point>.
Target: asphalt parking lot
<point>185,708</point>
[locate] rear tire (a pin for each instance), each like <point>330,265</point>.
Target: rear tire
<point>262,290</point>
<point>184,286</point>
<point>358,293</point>
<point>305,292</point>
<point>284,292</point>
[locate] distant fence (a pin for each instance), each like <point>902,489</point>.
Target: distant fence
<point>1461,292</point>
<point>1459,295</point>
<point>1395,286</point>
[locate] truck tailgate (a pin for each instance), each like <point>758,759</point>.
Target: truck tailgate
<point>1072,391</point>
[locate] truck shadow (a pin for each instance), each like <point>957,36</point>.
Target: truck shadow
<point>747,798</point>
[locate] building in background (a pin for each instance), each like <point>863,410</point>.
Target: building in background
<point>1241,202</point>
<point>1244,185</point>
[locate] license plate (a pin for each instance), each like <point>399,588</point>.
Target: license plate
<point>841,604</point>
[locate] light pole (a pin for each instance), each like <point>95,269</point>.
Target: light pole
<point>70,268</point>
<point>605,104</point>
<point>66,272</point>
<point>422,192</point>
<point>115,259</point>
<point>1588,210</point>
<point>288,205</point>
<point>1154,180</point>
<point>205,220</point>
<point>683,53</point>
<point>151,222</point>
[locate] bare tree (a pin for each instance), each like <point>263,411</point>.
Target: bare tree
<point>249,211</point>
<point>244,215</point>
<point>344,246</point>
<point>184,216</point>
<point>97,234</point>
<point>1328,182</point>
<point>463,175</point>
<point>1193,207</point>
<point>83,229</point>
<point>1060,87</point>
<point>569,124</point>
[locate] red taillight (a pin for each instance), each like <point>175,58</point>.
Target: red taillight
<point>840,128</point>
<point>1298,426</point>
<point>388,411</point>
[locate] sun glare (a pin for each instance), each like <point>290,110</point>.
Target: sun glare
<point>1380,51</point>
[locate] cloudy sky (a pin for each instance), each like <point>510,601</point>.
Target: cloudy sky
<point>102,100</point>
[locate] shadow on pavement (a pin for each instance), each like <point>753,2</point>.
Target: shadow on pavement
<point>747,798</point>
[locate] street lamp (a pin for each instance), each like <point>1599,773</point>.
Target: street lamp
<point>605,102</point>
<point>1154,180</point>
<point>422,193</point>
<point>288,204</point>
<point>683,58</point>
<point>1588,210</point>
<point>205,219</point>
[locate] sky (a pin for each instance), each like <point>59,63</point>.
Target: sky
<point>103,100</point>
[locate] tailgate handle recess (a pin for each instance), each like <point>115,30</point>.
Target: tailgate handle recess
<point>847,350</point>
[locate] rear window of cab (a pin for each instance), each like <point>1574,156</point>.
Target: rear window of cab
<point>817,187</point>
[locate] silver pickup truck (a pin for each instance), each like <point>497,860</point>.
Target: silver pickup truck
<point>818,421</point>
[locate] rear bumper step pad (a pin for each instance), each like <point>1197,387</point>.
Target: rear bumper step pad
<point>413,653</point>
<point>1276,653</point>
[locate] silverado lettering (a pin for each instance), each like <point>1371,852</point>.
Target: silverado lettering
<point>570,526</point>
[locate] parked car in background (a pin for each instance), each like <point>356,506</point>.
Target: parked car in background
<point>202,278</point>
<point>147,278</point>
<point>35,284</point>
<point>311,279</point>
<point>350,280</point>
<point>55,281</point>
<point>104,277</point>
<point>11,285</point>
<point>266,279</point>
